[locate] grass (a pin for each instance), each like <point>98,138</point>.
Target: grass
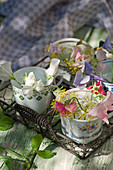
<point>91,35</point>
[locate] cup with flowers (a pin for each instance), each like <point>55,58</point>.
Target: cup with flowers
<point>79,59</point>
<point>83,112</point>
<point>82,109</point>
<point>32,86</point>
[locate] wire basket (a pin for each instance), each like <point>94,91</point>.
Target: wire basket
<point>49,125</point>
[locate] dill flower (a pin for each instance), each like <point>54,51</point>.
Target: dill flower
<point>79,104</point>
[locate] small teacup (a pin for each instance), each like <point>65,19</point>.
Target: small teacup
<point>39,101</point>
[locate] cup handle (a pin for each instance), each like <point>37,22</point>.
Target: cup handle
<point>59,77</point>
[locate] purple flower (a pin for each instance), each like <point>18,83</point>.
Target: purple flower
<point>54,48</point>
<point>87,68</point>
<point>101,55</point>
<point>97,77</point>
<point>80,81</point>
<point>107,44</point>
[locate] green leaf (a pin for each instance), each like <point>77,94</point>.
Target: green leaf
<point>36,141</point>
<point>7,160</point>
<point>6,123</point>
<point>46,154</point>
<point>11,152</point>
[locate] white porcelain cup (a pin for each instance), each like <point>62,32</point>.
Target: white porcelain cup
<point>38,101</point>
<point>80,130</point>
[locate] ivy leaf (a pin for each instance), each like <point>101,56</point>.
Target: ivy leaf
<point>36,141</point>
<point>6,123</point>
<point>46,154</point>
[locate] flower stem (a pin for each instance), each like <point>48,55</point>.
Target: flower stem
<point>72,100</point>
<point>13,78</point>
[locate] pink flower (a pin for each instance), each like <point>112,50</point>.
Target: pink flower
<point>75,51</point>
<point>100,90</point>
<point>108,101</point>
<point>80,57</point>
<point>71,107</point>
<point>100,110</point>
<point>66,110</point>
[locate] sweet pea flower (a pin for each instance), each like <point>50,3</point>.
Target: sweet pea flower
<point>100,110</point>
<point>55,48</point>
<point>71,107</point>
<point>97,77</point>
<point>101,55</point>
<point>6,72</point>
<point>66,110</point>
<point>107,45</point>
<point>30,79</point>
<point>80,81</point>
<point>96,87</point>
<point>31,85</point>
<point>76,49</point>
<point>39,85</point>
<point>29,89</point>
<point>108,101</point>
<point>88,69</point>
<point>80,57</point>
<point>53,68</point>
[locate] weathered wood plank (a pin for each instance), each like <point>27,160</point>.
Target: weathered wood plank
<point>18,139</point>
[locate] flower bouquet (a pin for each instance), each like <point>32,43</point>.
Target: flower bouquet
<point>31,85</point>
<point>82,112</point>
<point>80,60</point>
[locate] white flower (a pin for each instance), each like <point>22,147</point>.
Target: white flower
<point>5,72</point>
<point>52,70</point>
<point>30,80</point>
<point>39,86</point>
<point>31,85</point>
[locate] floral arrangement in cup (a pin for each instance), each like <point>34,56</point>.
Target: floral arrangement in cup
<point>75,104</point>
<point>84,62</point>
<point>29,85</point>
